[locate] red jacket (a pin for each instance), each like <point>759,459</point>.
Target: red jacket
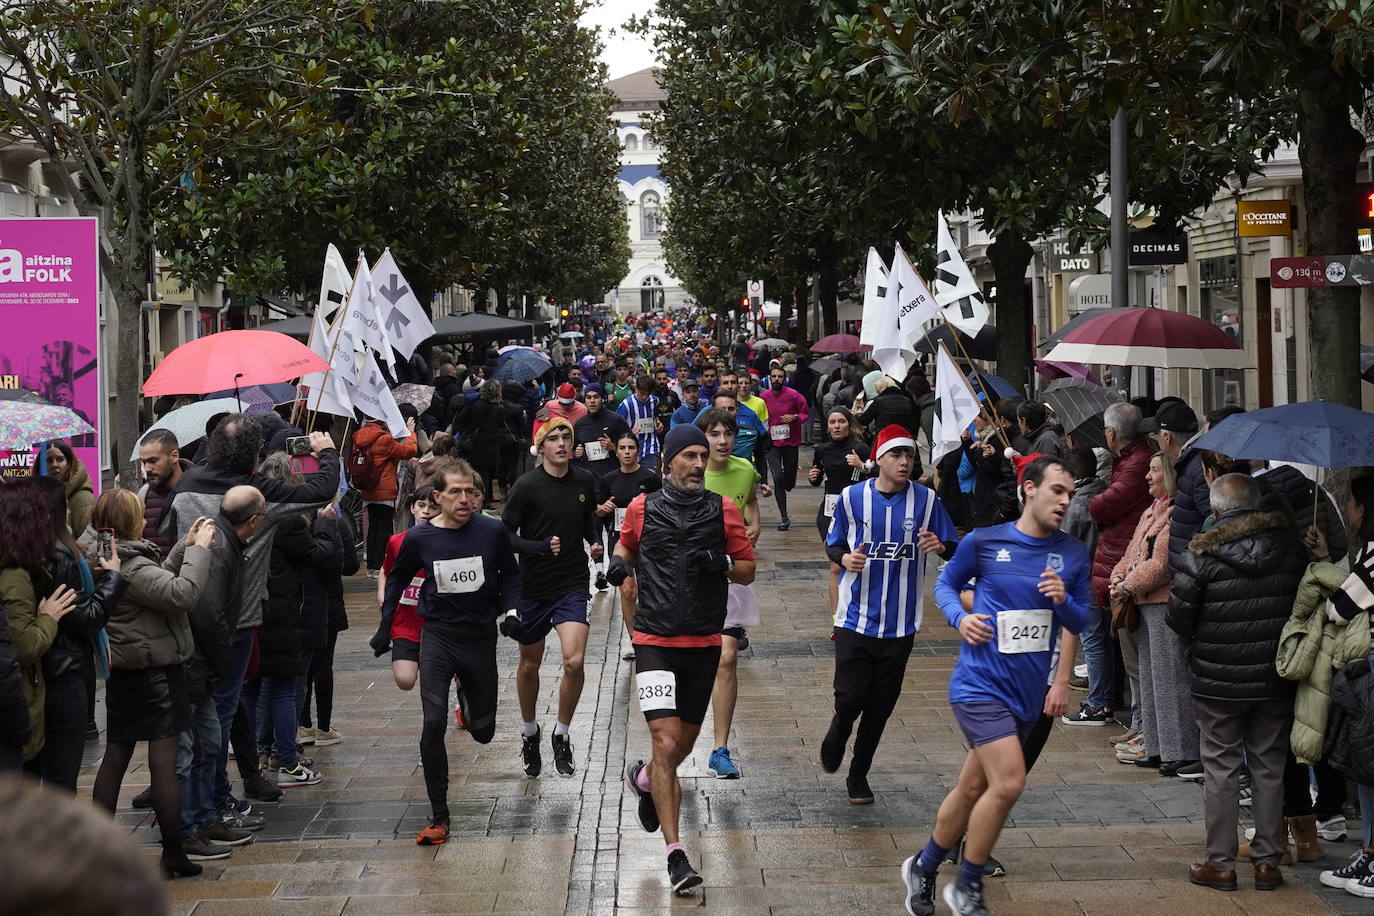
<point>1117,510</point>
<point>386,451</point>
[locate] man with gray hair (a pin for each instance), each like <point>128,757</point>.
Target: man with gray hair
<point>1232,594</point>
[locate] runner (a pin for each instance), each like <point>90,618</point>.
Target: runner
<point>615,491</point>
<point>471,579</point>
<point>881,532</point>
<point>550,515</point>
<point>678,622</point>
<point>595,436</point>
<point>787,412</point>
<point>691,403</point>
<point>1030,579</point>
<point>642,413</point>
<point>837,462</point>
<point>403,627</point>
<point>735,479</point>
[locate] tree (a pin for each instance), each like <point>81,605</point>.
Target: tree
<point>138,95</point>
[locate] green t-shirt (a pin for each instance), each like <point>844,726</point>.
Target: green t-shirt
<point>619,393</point>
<point>737,481</point>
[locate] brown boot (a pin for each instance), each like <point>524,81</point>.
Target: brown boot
<point>1244,851</point>
<point>1305,837</point>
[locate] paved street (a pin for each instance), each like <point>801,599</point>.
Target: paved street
<point>1090,835</point>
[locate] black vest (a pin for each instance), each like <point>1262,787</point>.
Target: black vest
<point>677,597</point>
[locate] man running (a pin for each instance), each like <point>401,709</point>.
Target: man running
<point>787,413</point>
<point>550,515</point>
<point>641,411</point>
<point>880,534</point>
<point>677,622</point>
<point>1030,579</point>
<point>472,578</point>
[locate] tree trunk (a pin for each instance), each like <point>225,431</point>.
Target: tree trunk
<point>1011,255</point>
<point>828,291</point>
<point>129,274</point>
<point>1329,149</point>
<point>502,299</point>
<point>803,294</point>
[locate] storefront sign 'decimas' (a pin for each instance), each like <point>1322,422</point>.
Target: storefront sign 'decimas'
<point>1150,247</point>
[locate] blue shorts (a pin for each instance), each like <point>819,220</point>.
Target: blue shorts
<point>538,617</point>
<point>986,721</point>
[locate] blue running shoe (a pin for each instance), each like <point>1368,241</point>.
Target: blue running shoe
<point>721,766</point>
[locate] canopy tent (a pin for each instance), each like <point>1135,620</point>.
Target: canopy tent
<point>298,327</point>
<point>487,325</point>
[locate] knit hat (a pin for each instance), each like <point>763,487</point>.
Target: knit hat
<point>892,436</point>
<point>548,427</point>
<point>594,388</point>
<point>566,393</point>
<point>680,437</point>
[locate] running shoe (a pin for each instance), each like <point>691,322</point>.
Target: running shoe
<point>920,889</point>
<point>1360,866</point>
<point>562,755</point>
<point>238,820</point>
<point>1078,683</point>
<point>529,753</point>
<point>460,710</point>
<point>240,805</point>
<point>785,524</point>
<point>681,875</point>
<point>324,737</point>
<point>991,868</point>
<point>1191,771</point>
<point>648,815</point>
<point>434,834</point>
<point>601,583</point>
<point>1088,715</point>
<point>1123,737</point>
<point>298,775</point>
<point>721,766</point>
<point>199,849</point>
<point>1332,829</point>
<point>143,799</point>
<point>743,641</point>
<point>963,900</point>
<point>256,787</point>
<point>223,835</point>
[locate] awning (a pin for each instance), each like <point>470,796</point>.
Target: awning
<point>298,328</point>
<point>485,324</point>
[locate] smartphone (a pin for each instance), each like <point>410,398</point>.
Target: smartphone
<point>104,543</point>
<point>297,446</point>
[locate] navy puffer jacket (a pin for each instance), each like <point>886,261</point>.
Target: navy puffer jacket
<point>1192,505</point>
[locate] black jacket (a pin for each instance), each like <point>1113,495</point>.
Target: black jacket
<point>215,618</point>
<point>1231,597</point>
<point>1192,505</point>
<point>15,727</point>
<point>316,579</point>
<point>1349,746</point>
<point>993,500</point>
<point>484,426</point>
<point>87,617</point>
<point>678,596</point>
<point>1291,491</point>
<point>893,406</point>
<point>279,638</point>
<point>1045,440</point>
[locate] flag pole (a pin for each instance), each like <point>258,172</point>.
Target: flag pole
<point>978,377</point>
<point>985,406</point>
<point>333,347</point>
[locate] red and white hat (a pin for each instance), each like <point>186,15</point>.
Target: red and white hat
<point>566,393</point>
<point>892,436</point>
<point>1021,462</point>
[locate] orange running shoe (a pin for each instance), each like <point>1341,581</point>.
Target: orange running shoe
<point>460,711</point>
<point>433,835</point>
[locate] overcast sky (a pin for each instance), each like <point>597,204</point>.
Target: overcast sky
<point>623,53</point>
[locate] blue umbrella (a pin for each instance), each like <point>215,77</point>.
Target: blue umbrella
<point>521,366</point>
<point>995,384</point>
<point>1311,432</point>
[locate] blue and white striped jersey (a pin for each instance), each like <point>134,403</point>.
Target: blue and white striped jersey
<point>884,599</point>
<point>640,415</point>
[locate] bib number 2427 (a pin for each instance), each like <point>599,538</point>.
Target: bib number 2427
<point>1019,632</point>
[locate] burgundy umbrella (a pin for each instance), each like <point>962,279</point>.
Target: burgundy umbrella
<point>1151,337</point>
<point>838,343</point>
<point>1052,369</point>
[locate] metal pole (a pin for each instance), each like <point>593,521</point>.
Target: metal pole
<point>1121,249</point>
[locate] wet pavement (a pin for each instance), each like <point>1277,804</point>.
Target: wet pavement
<point>1089,835</point>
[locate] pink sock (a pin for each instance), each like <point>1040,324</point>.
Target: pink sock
<point>673,847</point>
<point>642,779</point>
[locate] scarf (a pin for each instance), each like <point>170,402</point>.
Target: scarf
<point>1356,593</point>
<point>679,497</point>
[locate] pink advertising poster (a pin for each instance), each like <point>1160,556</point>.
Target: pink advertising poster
<point>50,313</point>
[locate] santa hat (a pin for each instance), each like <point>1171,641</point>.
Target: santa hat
<point>546,428</point>
<point>1021,462</point>
<point>892,436</point>
<point>566,393</point>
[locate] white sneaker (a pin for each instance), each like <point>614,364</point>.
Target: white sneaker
<point>1361,888</point>
<point>1332,829</point>
<point>299,775</point>
<point>1080,670</point>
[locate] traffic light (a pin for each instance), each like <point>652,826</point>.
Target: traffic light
<point>744,303</point>
<point>1364,212</point>
<point>565,313</point>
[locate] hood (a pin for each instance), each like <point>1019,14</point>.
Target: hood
<point>127,549</point>
<point>80,480</point>
<point>369,434</point>
<point>1245,542</point>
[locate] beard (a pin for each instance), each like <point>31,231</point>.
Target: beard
<point>690,482</point>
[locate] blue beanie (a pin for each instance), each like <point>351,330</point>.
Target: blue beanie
<point>594,388</point>
<point>680,437</point>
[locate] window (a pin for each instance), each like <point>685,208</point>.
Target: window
<point>651,294</point>
<point>650,215</point>
<point>632,142</point>
<point>649,143</point>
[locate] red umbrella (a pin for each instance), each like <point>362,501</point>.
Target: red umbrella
<point>1151,337</point>
<point>229,359</point>
<point>838,343</point>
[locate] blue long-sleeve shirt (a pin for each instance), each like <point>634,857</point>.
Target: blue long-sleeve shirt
<point>475,564</point>
<point>1006,566</point>
<point>748,428</point>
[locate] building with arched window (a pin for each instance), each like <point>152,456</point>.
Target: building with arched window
<point>648,286</point>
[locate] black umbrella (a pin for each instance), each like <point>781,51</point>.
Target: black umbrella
<point>1076,401</point>
<point>1083,316</point>
<point>983,346</point>
<point>19,394</point>
<point>1367,363</point>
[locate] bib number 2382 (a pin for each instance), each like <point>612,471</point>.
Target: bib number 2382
<point>1019,632</point>
<point>657,690</point>
<point>460,576</point>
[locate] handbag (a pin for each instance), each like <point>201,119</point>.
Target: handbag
<point>1125,613</point>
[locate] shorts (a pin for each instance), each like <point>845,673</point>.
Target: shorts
<point>675,682</point>
<point>538,617</point>
<point>733,632</point>
<point>741,606</point>
<point>405,650</point>
<point>986,721</point>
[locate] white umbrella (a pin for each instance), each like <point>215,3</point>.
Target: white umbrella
<point>570,335</point>
<point>188,423</point>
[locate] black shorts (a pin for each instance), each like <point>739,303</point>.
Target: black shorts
<point>675,682</point>
<point>733,632</point>
<point>405,650</point>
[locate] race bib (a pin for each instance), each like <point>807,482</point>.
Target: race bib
<point>595,451</point>
<point>830,500</point>
<point>644,426</point>
<point>1019,632</point>
<point>411,595</point>
<point>781,431</point>
<point>619,519</point>
<point>459,577</point>
<point>657,690</point>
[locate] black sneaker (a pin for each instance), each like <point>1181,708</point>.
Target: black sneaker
<point>1088,715</point>
<point>259,789</point>
<point>859,792</point>
<point>963,900</point>
<point>1190,770</point>
<point>742,642</point>
<point>785,524</point>
<point>199,849</point>
<point>1360,866</point>
<point>144,799</point>
<point>920,889</point>
<point>562,755</point>
<point>832,748</point>
<point>681,875</point>
<point>221,834</point>
<point>529,753</point>
<point>648,814</point>
<point>991,868</point>
<point>601,583</point>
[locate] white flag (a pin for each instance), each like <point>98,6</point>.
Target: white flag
<point>915,304</point>
<point>361,319</point>
<point>326,323</point>
<point>375,400</point>
<point>880,328</point>
<point>404,320</point>
<point>875,295</point>
<point>957,406</point>
<point>955,289</point>
<point>331,396</point>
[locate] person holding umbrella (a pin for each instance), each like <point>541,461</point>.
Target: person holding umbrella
<point>66,467</point>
